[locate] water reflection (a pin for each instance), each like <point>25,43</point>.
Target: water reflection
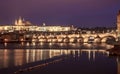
<point>95,53</point>
<point>16,57</point>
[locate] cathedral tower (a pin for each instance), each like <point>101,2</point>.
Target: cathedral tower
<point>19,22</point>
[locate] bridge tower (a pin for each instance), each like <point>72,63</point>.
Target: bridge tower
<point>118,25</point>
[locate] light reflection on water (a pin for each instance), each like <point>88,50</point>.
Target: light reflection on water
<point>16,57</point>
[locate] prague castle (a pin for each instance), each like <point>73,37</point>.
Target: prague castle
<point>21,24</point>
<point>25,31</point>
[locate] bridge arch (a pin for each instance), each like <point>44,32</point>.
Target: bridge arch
<point>91,39</point>
<point>97,40</point>
<point>80,39</point>
<point>66,39</point>
<point>108,39</point>
<point>85,39</point>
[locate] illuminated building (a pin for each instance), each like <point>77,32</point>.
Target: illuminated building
<point>118,23</point>
<point>21,24</point>
<point>25,31</point>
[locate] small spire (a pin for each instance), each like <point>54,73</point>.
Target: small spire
<point>44,24</point>
<point>16,22</point>
<point>72,26</point>
<point>20,21</point>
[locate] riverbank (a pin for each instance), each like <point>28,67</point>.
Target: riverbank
<point>115,50</point>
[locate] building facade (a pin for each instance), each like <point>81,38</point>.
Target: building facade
<point>22,25</point>
<point>118,24</point>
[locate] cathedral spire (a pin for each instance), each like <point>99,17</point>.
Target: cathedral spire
<point>20,21</point>
<point>16,22</point>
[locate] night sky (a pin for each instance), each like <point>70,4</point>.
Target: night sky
<point>81,13</point>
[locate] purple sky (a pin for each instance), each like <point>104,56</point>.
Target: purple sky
<point>81,13</point>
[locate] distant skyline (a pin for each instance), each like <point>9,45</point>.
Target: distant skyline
<point>81,13</point>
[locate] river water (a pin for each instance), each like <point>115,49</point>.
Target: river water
<point>85,58</point>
